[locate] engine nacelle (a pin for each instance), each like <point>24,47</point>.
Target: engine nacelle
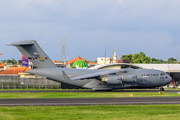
<point>112,79</point>
<point>129,78</point>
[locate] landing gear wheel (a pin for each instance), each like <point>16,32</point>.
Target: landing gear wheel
<point>161,89</point>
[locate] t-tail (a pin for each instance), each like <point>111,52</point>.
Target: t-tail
<point>31,50</point>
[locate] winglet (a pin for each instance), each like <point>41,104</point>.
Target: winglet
<point>65,76</point>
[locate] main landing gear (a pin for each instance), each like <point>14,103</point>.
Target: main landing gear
<point>161,89</point>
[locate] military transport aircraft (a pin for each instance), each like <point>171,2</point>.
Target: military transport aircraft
<point>94,79</point>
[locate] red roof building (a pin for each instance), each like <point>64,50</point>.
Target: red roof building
<point>92,63</point>
<point>2,65</point>
<point>123,61</point>
<point>79,58</point>
<point>74,60</point>
<point>14,70</point>
<point>54,61</point>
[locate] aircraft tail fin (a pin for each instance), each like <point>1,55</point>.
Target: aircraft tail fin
<point>31,50</point>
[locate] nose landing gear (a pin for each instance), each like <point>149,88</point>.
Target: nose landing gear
<point>161,89</point>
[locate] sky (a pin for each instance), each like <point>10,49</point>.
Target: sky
<point>91,27</point>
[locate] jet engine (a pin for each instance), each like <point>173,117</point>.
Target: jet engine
<point>112,79</point>
<point>129,78</point>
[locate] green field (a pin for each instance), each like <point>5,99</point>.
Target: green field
<point>96,112</point>
<point>84,94</point>
<point>80,89</point>
<point>104,112</point>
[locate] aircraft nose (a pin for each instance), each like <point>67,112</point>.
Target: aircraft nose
<point>168,79</point>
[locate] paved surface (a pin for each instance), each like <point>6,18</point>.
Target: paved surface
<point>39,91</point>
<point>89,101</point>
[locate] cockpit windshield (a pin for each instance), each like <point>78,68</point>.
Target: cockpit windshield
<point>162,74</point>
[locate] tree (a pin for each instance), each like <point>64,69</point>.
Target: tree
<point>127,57</point>
<point>12,61</point>
<point>142,58</point>
<point>172,60</point>
<point>135,58</point>
<point>147,60</point>
<point>161,61</point>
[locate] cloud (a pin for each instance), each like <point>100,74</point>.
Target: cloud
<point>129,42</point>
<point>95,25</point>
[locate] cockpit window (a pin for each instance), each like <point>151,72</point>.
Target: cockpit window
<point>162,74</point>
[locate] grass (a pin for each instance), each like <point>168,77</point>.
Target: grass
<point>97,112</point>
<point>37,89</point>
<point>104,112</point>
<point>84,94</point>
<point>29,89</point>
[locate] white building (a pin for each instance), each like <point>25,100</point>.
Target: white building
<point>103,60</point>
<point>114,56</point>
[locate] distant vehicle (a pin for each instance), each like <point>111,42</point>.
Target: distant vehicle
<point>94,79</point>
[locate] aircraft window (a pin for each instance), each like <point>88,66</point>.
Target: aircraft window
<point>130,66</point>
<point>135,67</point>
<point>162,74</point>
<point>125,66</point>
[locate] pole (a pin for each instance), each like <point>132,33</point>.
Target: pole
<point>177,59</point>
<point>105,57</point>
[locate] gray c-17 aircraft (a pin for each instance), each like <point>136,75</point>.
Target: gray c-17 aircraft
<point>93,79</point>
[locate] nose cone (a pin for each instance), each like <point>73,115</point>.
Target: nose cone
<point>169,79</point>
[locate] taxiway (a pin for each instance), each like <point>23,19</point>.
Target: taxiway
<point>89,101</point>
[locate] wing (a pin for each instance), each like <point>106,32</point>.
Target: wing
<point>97,74</point>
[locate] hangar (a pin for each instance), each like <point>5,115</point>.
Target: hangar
<point>172,69</point>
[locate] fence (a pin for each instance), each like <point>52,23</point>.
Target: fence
<point>15,82</point>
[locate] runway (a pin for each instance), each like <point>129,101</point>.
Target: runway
<point>89,101</point>
<point>40,91</point>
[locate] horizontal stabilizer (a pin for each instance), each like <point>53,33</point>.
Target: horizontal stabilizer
<point>41,76</point>
<point>21,44</point>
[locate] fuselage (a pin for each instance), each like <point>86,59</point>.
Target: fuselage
<point>145,78</point>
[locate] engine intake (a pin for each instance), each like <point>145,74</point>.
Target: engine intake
<point>129,78</point>
<point>112,79</point>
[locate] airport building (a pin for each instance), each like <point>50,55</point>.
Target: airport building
<point>103,60</point>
